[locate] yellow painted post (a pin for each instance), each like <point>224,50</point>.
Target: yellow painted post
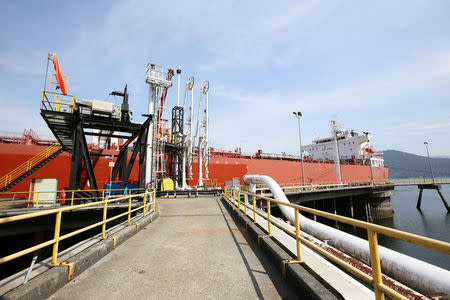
<point>375,263</point>
<point>269,227</point>
<point>129,210</point>
<point>103,195</point>
<point>37,199</point>
<point>56,237</point>
<point>297,235</point>
<point>254,208</point>
<point>154,200</point>
<point>105,208</point>
<point>71,200</point>
<point>245,204</point>
<point>145,200</point>
<point>239,200</point>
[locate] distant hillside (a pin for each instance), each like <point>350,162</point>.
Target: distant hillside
<point>404,165</point>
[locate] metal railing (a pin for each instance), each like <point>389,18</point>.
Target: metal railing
<point>415,181</point>
<point>234,197</point>
<point>28,165</point>
<point>59,214</point>
<point>54,101</point>
<point>62,197</point>
<point>356,183</point>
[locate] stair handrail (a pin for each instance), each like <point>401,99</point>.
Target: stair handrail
<point>29,164</point>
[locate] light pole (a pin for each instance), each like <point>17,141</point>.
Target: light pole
<point>370,156</point>
<point>298,116</point>
<point>429,161</point>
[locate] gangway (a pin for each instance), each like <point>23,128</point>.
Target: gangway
<point>29,167</point>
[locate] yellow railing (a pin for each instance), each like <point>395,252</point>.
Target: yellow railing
<point>62,197</point>
<point>234,197</point>
<point>28,165</point>
<point>146,204</point>
<point>414,181</point>
<point>54,101</point>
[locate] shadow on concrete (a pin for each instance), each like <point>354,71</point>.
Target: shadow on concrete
<point>272,272</point>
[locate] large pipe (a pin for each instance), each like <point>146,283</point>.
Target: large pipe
<point>205,89</point>
<point>149,153</point>
<point>418,275</point>
<point>187,135</point>
<point>200,162</point>
<point>191,127</point>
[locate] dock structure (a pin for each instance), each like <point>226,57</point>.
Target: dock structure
<point>194,248</point>
<point>211,246</point>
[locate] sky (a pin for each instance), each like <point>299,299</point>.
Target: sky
<point>379,66</point>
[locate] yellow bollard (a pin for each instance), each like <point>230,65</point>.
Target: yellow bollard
<point>105,208</point>
<point>56,238</point>
<point>254,208</point>
<point>297,235</point>
<point>375,263</point>
<point>269,227</point>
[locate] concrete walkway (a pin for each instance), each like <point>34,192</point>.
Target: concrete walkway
<point>194,250</point>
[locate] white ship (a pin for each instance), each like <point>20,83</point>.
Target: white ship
<point>351,146</point>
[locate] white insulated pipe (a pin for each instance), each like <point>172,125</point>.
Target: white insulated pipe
<point>191,127</point>
<point>206,142</point>
<point>149,152</point>
<point>416,274</point>
<point>200,162</point>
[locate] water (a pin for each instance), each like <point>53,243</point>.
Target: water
<point>433,222</point>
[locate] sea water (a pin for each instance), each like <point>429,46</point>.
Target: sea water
<point>431,221</point>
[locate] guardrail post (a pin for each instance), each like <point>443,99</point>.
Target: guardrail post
<point>375,263</point>
<point>103,195</point>
<point>105,208</point>
<point>269,223</point>
<point>154,200</point>
<point>129,211</point>
<point>37,199</point>
<point>71,200</point>
<point>239,200</point>
<point>56,238</point>
<point>297,235</point>
<point>145,200</point>
<point>254,208</point>
<point>245,204</point>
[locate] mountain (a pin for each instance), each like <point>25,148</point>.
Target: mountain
<point>406,165</point>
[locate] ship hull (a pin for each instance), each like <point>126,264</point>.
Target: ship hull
<point>221,169</point>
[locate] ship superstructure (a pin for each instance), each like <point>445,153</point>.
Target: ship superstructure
<point>351,146</point>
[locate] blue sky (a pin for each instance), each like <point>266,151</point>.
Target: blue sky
<point>380,66</point>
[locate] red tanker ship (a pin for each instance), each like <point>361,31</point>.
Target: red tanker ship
<point>223,166</point>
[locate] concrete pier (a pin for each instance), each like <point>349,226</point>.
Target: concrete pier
<point>194,250</point>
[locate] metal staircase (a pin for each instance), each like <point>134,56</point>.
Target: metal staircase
<point>30,166</point>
